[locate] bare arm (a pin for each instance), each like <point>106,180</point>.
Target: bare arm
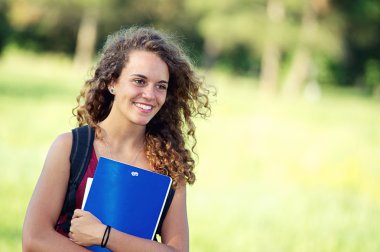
<point>87,230</point>
<point>47,200</point>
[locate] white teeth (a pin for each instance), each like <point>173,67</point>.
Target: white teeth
<point>144,107</point>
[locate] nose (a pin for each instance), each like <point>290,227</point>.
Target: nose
<point>148,92</point>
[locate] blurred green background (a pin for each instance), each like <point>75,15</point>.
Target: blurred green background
<point>289,159</point>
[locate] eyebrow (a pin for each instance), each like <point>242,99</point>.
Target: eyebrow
<point>144,77</point>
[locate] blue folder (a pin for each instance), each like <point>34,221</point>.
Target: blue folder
<point>127,198</point>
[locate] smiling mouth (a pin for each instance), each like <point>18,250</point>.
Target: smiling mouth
<point>145,107</point>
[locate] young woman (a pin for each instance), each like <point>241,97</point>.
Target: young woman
<point>140,102</point>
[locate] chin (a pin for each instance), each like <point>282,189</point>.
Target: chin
<point>141,122</point>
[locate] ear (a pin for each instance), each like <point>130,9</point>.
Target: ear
<point>111,87</point>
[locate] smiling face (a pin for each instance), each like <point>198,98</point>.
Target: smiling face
<point>141,89</point>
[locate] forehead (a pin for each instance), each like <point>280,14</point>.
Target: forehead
<point>146,63</point>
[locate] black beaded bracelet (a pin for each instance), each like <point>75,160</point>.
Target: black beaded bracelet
<point>106,236</point>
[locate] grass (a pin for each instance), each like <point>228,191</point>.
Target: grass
<point>273,174</point>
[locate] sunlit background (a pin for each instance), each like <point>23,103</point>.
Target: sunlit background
<point>288,161</point>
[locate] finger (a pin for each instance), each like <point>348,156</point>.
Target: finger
<point>71,236</point>
<point>78,213</point>
<point>73,221</point>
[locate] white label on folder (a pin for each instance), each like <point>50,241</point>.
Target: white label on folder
<point>88,186</point>
<point>134,173</point>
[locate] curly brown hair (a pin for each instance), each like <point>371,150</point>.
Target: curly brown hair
<point>170,135</point>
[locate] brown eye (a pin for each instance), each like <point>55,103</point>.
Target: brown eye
<point>139,81</point>
<point>162,86</point>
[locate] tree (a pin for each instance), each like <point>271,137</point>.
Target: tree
<point>361,35</point>
<point>5,28</point>
<point>315,36</point>
<point>272,29</point>
<point>260,25</point>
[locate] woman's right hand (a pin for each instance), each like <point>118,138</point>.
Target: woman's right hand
<point>86,229</point>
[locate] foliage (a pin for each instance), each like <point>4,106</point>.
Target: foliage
<point>5,28</point>
<point>233,35</point>
<point>362,40</point>
<point>372,73</point>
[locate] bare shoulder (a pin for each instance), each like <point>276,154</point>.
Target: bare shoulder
<point>59,152</point>
<point>57,162</point>
<point>63,141</point>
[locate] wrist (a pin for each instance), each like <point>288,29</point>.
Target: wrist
<point>100,234</point>
<point>106,236</point>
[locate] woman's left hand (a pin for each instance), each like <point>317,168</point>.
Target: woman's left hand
<point>86,229</point>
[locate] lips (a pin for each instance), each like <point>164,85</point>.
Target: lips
<point>145,107</point>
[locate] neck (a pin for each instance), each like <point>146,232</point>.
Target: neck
<point>123,135</point>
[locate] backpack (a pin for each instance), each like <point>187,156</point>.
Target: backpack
<point>83,139</point>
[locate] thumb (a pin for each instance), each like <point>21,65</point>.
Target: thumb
<point>78,213</point>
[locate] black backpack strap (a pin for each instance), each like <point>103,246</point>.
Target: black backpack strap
<point>165,211</point>
<point>83,139</point>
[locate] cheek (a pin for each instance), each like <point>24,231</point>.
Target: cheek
<point>163,99</point>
